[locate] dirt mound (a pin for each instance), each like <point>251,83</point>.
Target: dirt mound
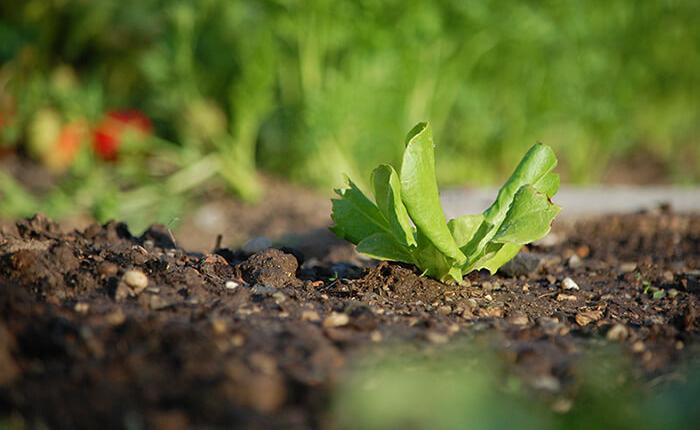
<point>102,329</point>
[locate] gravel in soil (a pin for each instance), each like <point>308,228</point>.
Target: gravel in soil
<point>101,328</point>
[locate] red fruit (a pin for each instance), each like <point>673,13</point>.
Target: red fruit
<point>67,145</point>
<point>109,134</point>
<point>54,142</point>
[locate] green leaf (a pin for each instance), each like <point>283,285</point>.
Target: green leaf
<point>463,228</point>
<point>659,294</point>
<point>387,194</point>
<point>382,246</point>
<point>529,217</point>
<point>549,184</point>
<point>537,163</point>
<point>522,213</point>
<point>434,263</point>
<point>500,254</point>
<point>355,216</point>
<point>419,192</point>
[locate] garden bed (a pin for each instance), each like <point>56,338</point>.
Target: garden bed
<point>264,341</point>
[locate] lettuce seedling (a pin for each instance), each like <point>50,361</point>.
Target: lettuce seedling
<point>406,222</point>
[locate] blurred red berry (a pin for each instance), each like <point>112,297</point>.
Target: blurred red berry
<point>69,140</point>
<point>67,145</point>
<point>109,134</point>
<point>52,141</point>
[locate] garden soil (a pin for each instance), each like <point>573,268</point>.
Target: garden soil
<point>102,329</point>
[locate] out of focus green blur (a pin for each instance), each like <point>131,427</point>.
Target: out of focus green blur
<point>468,389</point>
<point>311,90</point>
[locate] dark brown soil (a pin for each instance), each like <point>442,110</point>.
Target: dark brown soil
<point>227,339</point>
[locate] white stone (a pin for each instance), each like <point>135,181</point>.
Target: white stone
<point>569,284</point>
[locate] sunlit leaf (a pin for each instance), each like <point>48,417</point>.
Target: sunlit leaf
<point>522,213</point>
<point>355,216</point>
<point>419,191</point>
<point>387,194</point>
<point>382,246</point>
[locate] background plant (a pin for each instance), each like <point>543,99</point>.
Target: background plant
<point>313,89</point>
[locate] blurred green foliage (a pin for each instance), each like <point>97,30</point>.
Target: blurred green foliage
<point>467,388</point>
<point>314,89</point>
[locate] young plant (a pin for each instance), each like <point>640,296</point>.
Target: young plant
<point>406,223</point>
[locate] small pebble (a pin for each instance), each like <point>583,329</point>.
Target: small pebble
<point>136,280</point>
<point>133,283</point>
<point>617,333</point>
<point>569,284</point>
<point>575,261</point>
<point>552,326</point>
<point>237,340</point>
<point>492,312</point>
<point>518,318</point>
<point>566,297</point>
<point>375,336</point>
<point>219,325</point>
<point>310,315</point>
<point>638,346</point>
<point>583,251</point>
<point>587,317</point>
<point>552,239</point>
<point>445,310</point>
<point>107,269</point>
<point>231,285</point>
<point>81,307</point>
<point>336,319</point>
<point>115,318</point>
<point>628,267</point>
